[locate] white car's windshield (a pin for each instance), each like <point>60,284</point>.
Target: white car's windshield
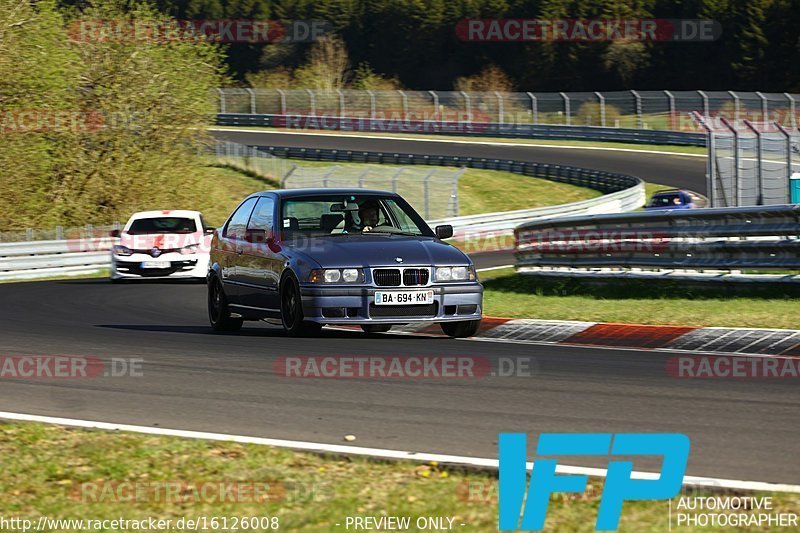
<point>146,226</point>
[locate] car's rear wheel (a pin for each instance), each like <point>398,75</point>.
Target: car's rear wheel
<point>219,314</point>
<point>376,328</point>
<point>459,330</point>
<point>292,311</point>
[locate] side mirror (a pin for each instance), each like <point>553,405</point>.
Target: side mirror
<point>114,233</point>
<point>445,231</point>
<point>208,230</point>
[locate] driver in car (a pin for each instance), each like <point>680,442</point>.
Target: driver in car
<point>368,213</point>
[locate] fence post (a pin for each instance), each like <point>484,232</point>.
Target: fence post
<point>788,136</point>
<point>60,232</point>
<point>435,102</point>
<point>764,106</point>
<point>467,105</point>
<point>405,104</point>
<point>394,178</point>
<point>534,108</point>
<point>313,101</point>
<point>252,101</point>
<point>792,109</point>
<point>736,175</point>
<point>639,121</point>
<point>372,108</point>
<point>500,109</point>
<point>735,104</point>
<point>222,105</point>
<point>341,103</point>
<point>602,100</point>
<point>704,96</point>
<point>759,169</point>
<point>671,100</point>
<point>712,158</point>
<point>566,108</point>
<point>283,101</point>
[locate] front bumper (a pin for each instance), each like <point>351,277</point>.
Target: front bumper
<point>180,266</point>
<point>354,305</point>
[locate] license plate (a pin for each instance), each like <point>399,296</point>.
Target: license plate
<point>155,264</point>
<point>403,297</point>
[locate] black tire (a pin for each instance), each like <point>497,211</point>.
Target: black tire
<point>292,310</point>
<point>376,328</point>
<point>460,330</point>
<point>219,314</point>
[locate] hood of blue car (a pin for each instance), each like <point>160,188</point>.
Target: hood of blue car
<point>342,251</point>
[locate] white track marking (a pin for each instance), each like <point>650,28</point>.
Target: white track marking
<point>458,141</point>
<point>383,453</point>
<point>494,268</point>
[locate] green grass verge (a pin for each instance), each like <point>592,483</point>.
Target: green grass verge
<point>69,473</point>
<point>640,302</point>
<point>488,191</point>
<point>533,142</point>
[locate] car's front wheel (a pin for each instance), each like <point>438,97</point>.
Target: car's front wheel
<point>219,314</point>
<point>292,311</point>
<point>459,330</point>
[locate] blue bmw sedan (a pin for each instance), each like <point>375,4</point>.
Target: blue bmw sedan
<point>309,257</point>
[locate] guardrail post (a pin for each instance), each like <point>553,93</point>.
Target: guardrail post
<point>467,106</point>
<point>566,108</point>
<point>602,100</point>
<point>222,106</point>
<point>252,101</point>
<point>759,170</point>
<point>704,96</point>
<point>764,106</point>
<point>313,101</point>
<point>500,110</point>
<point>639,121</point>
<point>735,104</point>
<point>283,101</point>
<point>59,233</point>
<point>534,108</point>
<point>792,109</point>
<point>736,175</point>
<point>405,104</point>
<point>435,98</point>
<point>341,103</point>
<point>788,136</point>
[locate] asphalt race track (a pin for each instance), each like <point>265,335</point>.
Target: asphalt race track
<point>676,171</point>
<point>193,379</point>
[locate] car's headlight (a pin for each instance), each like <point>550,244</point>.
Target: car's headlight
<point>336,275</point>
<point>457,273</point>
<point>190,249</point>
<point>119,249</point>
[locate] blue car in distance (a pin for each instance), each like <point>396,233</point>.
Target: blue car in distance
<point>304,258</point>
<point>676,199</point>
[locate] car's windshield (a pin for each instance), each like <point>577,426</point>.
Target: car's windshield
<point>143,226</point>
<point>665,200</point>
<point>350,215</point>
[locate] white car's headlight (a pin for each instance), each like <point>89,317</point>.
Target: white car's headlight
<point>119,249</point>
<point>336,275</point>
<point>457,273</point>
<point>190,249</point>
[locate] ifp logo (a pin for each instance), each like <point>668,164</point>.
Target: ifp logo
<point>619,486</point>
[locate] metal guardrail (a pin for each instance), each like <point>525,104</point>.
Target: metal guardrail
<point>34,259</point>
<point>21,260</point>
<point>468,128</point>
<point>695,244</point>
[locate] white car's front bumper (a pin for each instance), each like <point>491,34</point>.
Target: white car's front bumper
<point>175,266</point>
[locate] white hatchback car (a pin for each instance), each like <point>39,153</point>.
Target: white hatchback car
<point>162,244</point>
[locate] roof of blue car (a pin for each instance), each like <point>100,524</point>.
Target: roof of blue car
<point>291,193</point>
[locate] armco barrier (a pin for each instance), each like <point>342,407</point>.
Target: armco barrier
<point>485,129</point>
<point>27,260</point>
<point>697,244</point>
